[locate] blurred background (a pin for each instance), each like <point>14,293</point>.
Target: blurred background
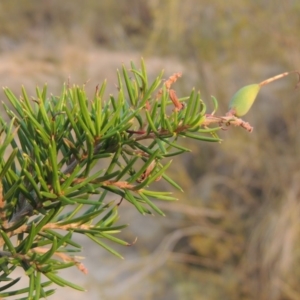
<point>234,234</point>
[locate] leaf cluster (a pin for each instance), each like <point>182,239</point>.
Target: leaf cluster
<point>67,154</point>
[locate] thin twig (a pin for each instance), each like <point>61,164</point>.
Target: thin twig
<point>227,121</point>
<point>269,80</point>
<point>64,257</point>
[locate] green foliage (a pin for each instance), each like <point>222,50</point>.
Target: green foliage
<point>66,154</point>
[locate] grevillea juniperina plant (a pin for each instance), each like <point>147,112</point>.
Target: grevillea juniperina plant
<point>60,157</point>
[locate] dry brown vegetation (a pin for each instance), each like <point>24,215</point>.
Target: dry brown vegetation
<point>235,232</point>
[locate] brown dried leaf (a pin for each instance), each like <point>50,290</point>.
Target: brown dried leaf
<point>172,79</point>
<point>178,105</point>
<point>119,184</point>
<point>146,173</point>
